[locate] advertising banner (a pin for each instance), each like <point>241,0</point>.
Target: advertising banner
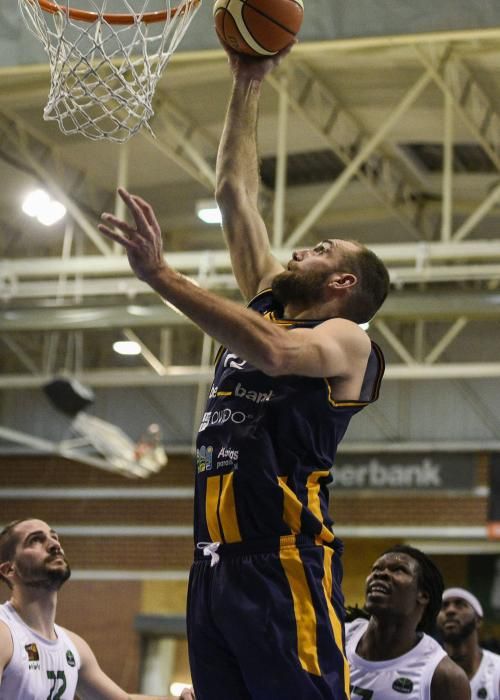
<point>427,471</point>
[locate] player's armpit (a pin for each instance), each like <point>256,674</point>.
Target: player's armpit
<point>450,681</point>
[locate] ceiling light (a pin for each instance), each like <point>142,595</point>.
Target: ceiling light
<point>208,211</point>
<point>39,205</point>
<point>34,202</point>
<point>127,347</point>
<point>52,213</point>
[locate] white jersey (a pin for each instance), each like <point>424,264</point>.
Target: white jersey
<point>407,677</point>
<point>485,684</point>
<point>40,669</point>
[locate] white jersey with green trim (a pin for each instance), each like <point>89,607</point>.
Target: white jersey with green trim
<point>406,677</point>
<point>485,684</point>
<point>40,669</point>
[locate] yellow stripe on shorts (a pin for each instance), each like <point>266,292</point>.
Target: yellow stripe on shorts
<point>334,620</point>
<point>305,615</point>
<point>211,505</point>
<point>227,510</point>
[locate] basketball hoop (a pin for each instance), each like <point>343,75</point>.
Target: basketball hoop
<point>105,66</point>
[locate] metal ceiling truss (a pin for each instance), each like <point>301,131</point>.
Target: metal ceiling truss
<point>470,100</point>
<point>195,375</point>
<point>358,150</point>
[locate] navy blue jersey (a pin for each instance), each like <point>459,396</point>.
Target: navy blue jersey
<point>266,445</point>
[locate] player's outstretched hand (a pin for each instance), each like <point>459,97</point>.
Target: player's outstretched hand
<point>254,67</point>
<point>142,242</point>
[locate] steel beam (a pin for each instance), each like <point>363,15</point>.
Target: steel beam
<point>406,306</point>
<point>193,375</point>
<point>189,261</point>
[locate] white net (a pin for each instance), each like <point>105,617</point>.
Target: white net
<point>104,74</point>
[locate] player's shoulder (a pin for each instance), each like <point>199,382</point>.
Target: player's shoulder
<point>349,334</point>
<point>449,681</point>
<point>78,642</point>
<point>5,630</point>
<point>345,325</point>
<point>6,644</point>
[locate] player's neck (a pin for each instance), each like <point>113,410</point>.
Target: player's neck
<point>37,609</point>
<point>387,639</point>
<point>467,654</point>
<point>320,311</point>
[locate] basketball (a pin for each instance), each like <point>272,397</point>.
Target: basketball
<point>258,27</point>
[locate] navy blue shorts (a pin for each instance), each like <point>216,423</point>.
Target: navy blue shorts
<point>268,625</point>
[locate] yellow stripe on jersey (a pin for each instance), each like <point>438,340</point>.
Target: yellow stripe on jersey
<point>211,508</point>
<point>305,615</point>
<point>376,388</point>
<point>227,510</point>
<point>292,507</point>
<point>342,404</point>
<point>334,620</point>
<point>314,503</point>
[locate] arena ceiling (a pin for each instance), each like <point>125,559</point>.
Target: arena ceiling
<point>394,142</point>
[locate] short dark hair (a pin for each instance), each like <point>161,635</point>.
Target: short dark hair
<point>373,283</point>
<point>9,540</point>
<point>430,580</point>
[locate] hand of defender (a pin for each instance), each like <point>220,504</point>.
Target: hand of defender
<point>143,243</point>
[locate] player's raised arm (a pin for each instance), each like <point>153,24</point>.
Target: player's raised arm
<point>238,177</point>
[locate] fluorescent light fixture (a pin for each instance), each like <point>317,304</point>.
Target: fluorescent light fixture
<point>39,205</point>
<point>34,202</point>
<point>52,213</point>
<point>127,347</point>
<point>208,211</point>
<point>177,688</point>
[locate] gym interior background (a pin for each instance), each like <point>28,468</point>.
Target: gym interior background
<point>383,125</point>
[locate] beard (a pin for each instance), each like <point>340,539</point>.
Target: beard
<point>300,288</point>
<point>460,634</point>
<point>44,576</point>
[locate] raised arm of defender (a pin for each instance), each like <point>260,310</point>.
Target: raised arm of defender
<point>238,178</point>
